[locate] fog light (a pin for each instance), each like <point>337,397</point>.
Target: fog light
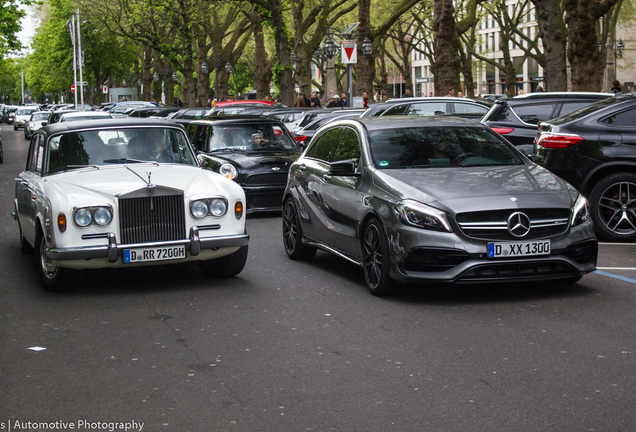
<point>238,209</point>
<point>61,222</point>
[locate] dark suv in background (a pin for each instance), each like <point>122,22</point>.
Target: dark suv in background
<point>517,118</point>
<point>594,149</point>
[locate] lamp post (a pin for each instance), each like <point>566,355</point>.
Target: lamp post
<point>165,70</point>
<point>331,48</point>
<point>618,53</point>
<point>217,62</point>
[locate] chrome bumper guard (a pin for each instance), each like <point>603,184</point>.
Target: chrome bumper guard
<point>112,251</point>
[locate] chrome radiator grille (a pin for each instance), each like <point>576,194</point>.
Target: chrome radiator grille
<point>151,218</point>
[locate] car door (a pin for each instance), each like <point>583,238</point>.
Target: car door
<point>341,198</point>
<point>309,176</point>
<point>26,188</point>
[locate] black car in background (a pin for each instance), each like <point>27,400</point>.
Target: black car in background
<point>304,134</point>
<point>254,152</point>
<point>429,106</point>
<point>185,116</point>
<point>517,118</point>
<point>594,149</point>
<point>154,112</point>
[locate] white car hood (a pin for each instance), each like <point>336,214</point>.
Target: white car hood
<point>82,185</point>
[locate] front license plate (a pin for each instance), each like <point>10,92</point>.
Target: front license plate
<point>154,254</point>
<point>519,249</point>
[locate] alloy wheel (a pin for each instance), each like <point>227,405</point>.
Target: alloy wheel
<point>290,229</point>
<point>372,255</point>
<point>616,208</point>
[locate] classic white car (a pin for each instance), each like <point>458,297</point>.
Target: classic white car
<point>124,193</point>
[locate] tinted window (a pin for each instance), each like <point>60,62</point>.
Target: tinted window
<point>584,111</point>
<point>568,107</point>
<point>469,108</point>
<point>349,147</point>
<point>439,146</point>
<point>427,108</point>
<point>533,114</point>
<point>33,153</point>
<point>396,110</point>
<point>327,145</point>
<point>623,118</point>
<point>193,114</point>
<point>249,137</point>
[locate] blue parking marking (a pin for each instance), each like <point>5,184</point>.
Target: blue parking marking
<point>619,277</point>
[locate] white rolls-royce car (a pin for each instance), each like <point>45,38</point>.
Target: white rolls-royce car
<point>124,193</point>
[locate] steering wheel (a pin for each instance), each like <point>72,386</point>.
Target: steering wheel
<point>459,159</point>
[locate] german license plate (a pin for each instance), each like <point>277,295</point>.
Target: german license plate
<point>154,254</point>
<point>518,249</point>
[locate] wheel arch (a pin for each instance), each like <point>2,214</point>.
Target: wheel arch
<point>601,171</point>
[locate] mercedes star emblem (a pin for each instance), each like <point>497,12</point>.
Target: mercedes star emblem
<point>518,224</point>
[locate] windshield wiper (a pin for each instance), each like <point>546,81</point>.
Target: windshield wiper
<point>227,149</point>
<point>123,160</point>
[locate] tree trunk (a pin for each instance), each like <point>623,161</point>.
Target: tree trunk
<point>553,36</point>
<point>203,80</point>
<point>285,78</point>
<point>365,68</point>
<point>146,75</point>
<point>263,73</point>
<point>446,44</point>
<point>585,60</point>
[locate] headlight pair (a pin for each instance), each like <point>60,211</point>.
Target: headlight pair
<point>85,216</point>
<point>215,207</point>
<point>420,215</point>
<point>580,211</point>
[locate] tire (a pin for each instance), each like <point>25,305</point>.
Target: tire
<point>54,278</point>
<point>25,247</point>
<point>26,136</point>
<point>15,127</point>
<point>613,207</point>
<point>1,154</point>
<point>293,234</point>
<point>227,266</point>
<point>376,260</point>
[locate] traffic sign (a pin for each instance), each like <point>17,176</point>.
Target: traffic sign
<point>349,52</point>
<point>105,89</point>
<point>72,88</point>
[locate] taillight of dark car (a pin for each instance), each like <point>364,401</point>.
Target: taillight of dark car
<point>502,130</point>
<point>300,138</point>
<point>558,141</point>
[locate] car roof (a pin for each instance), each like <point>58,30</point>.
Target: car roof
<point>561,95</point>
<point>242,119</point>
<point>84,113</point>
<point>116,123</point>
<point>243,102</point>
<point>398,122</point>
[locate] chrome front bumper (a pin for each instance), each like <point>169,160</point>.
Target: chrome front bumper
<point>113,251</point>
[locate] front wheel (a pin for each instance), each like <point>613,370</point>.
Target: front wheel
<point>227,266</point>
<point>52,277</point>
<point>613,207</point>
<point>375,254</point>
<point>293,234</point>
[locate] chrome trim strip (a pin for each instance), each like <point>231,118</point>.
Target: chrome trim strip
<point>333,251</point>
<point>94,236</point>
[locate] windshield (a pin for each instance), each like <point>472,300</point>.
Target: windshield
<point>250,138</point>
<point>113,146</point>
<point>439,147</point>
<point>27,111</point>
<point>582,112</point>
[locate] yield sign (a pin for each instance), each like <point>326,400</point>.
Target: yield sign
<point>349,52</point>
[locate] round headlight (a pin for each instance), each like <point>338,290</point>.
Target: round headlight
<point>228,170</point>
<point>83,217</point>
<point>218,207</point>
<point>199,209</point>
<point>102,216</point>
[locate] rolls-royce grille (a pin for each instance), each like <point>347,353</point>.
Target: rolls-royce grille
<point>493,224</point>
<point>152,219</point>
<point>267,179</point>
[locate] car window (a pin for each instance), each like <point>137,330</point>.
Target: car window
<point>40,115</point>
<point>623,118</point>
<point>424,147</point>
<point>193,114</point>
<point>349,147</point>
<point>395,110</point>
<point>427,109</point>
<point>249,137</point>
<point>33,153</point>
<point>326,148</point>
<point>568,107</point>
<point>199,138</point>
<point>468,108</point>
<point>533,114</point>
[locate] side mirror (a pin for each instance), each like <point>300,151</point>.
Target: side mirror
<point>44,123</point>
<point>343,168</point>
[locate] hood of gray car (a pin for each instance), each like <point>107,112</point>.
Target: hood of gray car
<point>461,189</point>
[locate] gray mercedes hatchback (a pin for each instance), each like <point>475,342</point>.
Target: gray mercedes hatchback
<point>434,200</point>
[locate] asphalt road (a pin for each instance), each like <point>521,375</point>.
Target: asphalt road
<point>289,346</point>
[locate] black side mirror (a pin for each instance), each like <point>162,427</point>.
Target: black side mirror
<point>343,168</point>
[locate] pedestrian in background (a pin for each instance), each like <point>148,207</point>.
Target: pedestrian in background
<point>300,101</point>
<point>539,89</point>
<point>407,93</point>
<point>616,87</point>
<point>365,99</point>
<point>451,92</point>
<point>307,100</point>
<point>315,100</point>
<point>335,103</point>
<point>460,94</point>
<point>344,102</point>
<point>385,98</point>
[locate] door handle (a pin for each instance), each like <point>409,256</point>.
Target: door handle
<point>326,177</point>
<point>302,167</point>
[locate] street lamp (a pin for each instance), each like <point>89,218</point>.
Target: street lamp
<point>367,47</point>
<point>163,70</point>
<point>217,62</point>
<point>330,48</point>
<point>293,56</point>
<point>620,46</point>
